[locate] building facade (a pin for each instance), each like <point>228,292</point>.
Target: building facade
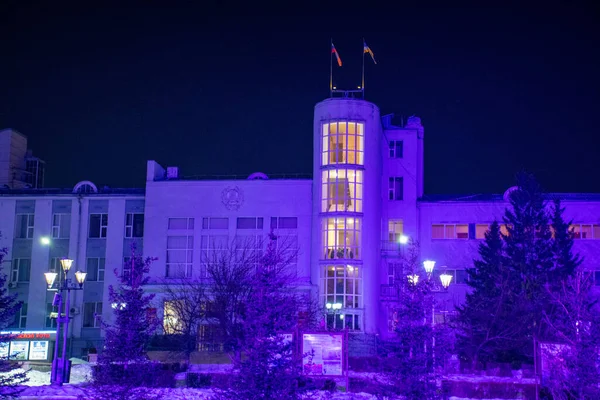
<point>346,222</point>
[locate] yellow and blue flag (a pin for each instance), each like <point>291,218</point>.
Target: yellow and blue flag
<point>367,49</point>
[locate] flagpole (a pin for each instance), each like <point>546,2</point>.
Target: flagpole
<point>363,70</point>
<point>330,68</point>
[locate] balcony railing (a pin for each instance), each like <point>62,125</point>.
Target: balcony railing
<point>389,292</point>
<point>390,249</point>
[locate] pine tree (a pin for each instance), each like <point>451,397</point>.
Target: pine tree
<point>564,263</point>
<point>122,364</point>
<point>483,320</point>
<point>270,368</point>
<point>10,378</point>
<point>528,250</point>
<point>409,356</point>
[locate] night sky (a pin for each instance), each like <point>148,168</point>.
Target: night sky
<point>98,91</point>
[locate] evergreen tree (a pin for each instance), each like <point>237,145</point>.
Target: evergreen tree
<point>528,250</point>
<point>270,368</point>
<point>122,365</point>
<point>10,378</point>
<point>409,357</point>
<point>483,331</point>
<point>515,277</point>
<point>564,262</point>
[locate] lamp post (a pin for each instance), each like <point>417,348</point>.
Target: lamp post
<point>59,373</point>
<point>333,308</point>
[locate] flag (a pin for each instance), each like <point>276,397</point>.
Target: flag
<point>367,49</point>
<point>337,55</point>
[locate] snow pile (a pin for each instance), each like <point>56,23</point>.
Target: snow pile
<point>80,373</point>
<point>485,379</point>
<point>73,391</point>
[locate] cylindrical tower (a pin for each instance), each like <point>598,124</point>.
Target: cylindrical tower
<point>347,210</point>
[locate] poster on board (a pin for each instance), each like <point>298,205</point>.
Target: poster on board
<point>39,350</point>
<point>4,350</point>
<point>19,350</point>
<point>323,353</point>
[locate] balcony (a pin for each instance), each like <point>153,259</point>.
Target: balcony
<point>390,249</point>
<point>389,293</point>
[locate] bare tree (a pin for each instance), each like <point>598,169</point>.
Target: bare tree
<point>185,309</point>
<point>573,325</point>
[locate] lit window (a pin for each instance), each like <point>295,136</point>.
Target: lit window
<point>450,231</point>
<point>396,149</point>
<point>172,321</point>
<point>341,238</point>
<point>396,188</point>
<point>179,256</point>
<point>342,284</point>
<point>481,230</point>
<point>181,223</point>
<point>395,230</point>
<point>343,143</point>
<point>61,226</point>
<point>503,230</point>
<point>215,223</point>
<point>342,190</point>
<point>134,225</point>
<point>585,231</point>
<point>24,226</point>
<point>98,225</point>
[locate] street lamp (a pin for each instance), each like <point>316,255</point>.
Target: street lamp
<point>45,241</point>
<point>403,239</point>
<point>60,366</point>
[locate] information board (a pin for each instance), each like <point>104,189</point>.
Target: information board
<point>323,353</point>
<point>4,350</point>
<point>19,350</point>
<point>39,350</point>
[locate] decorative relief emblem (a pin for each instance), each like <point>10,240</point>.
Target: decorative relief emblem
<point>232,197</point>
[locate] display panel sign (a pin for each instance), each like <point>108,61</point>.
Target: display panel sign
<point>4,350</point>
<point>323,353</point>
<point>19,351</point>
<point>39,350</point>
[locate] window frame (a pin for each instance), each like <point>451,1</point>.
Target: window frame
<point>445,227</point>
<point>57,226</point>
<point>333,181</point>
<point>100,269</point>
<point>130,225</point>
<point>96,312</point>
<point>189,223</point>
<point>332,157</point>
<point>15,272</point>
<point>189,255</point>
<point>396,188</point>
<point>29,226</point>
<point>351,229</point>
<point>102,227</point>
<point>394,147</point>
